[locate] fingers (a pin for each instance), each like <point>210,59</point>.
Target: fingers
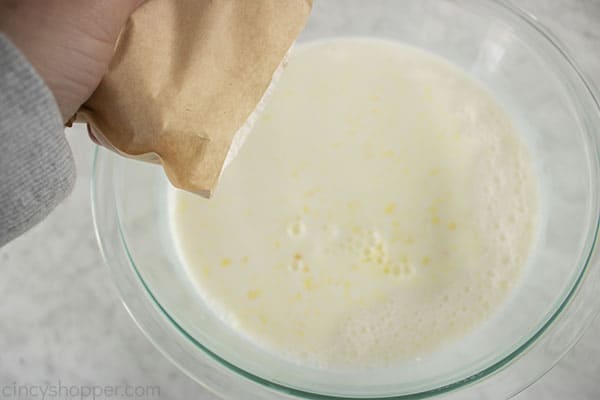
<point>69,42</point>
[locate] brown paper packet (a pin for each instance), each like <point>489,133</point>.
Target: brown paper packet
<point>186,77</point>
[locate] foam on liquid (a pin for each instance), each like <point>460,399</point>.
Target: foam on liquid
<point>383,206</point>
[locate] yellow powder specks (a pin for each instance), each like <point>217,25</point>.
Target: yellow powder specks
<point>389,209</point>
<point>425,260</point>
<point>262,318</point>
<point>253,294</point>
<point>403,270</point>
<point>389,154</point>
<point>452,225</point>
<point>306,209</point>
<point>309,284</point>
<point>435,220</point>
<point>298,264</point>
<point>277,244</point>
<point>376,251</point>
<point>226,262</point>
<point>245,260</point>
<point>296,228</point>
<point>352,205</point>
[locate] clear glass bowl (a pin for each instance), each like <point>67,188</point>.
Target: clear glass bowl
<point>558,115</point>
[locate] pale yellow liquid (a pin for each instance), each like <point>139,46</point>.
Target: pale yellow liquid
<point>383,206</point>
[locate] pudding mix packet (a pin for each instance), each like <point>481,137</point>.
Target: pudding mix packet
<point>186,79</point>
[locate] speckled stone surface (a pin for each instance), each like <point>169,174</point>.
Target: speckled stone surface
<point>61,318</point>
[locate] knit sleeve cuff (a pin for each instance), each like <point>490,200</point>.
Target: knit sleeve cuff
<point>36,165</point>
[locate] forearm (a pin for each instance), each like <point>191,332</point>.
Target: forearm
<point>36,165</point>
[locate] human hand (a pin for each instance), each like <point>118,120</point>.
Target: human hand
<point>69,42</point>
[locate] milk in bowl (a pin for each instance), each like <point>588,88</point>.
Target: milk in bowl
<point>383,207</point>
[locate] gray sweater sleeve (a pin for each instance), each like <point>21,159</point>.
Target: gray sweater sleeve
<point>36,164</point>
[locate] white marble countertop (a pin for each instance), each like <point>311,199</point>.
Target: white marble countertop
<point>61,319</point>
